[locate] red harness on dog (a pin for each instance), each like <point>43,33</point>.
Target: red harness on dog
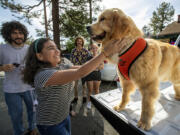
<point>130,55</point>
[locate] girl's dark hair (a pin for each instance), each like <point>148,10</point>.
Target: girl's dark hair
<point>9,27</point>
<point>32,63</point>
<point>77,39</point>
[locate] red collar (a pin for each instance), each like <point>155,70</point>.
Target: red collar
<point>130,55</point>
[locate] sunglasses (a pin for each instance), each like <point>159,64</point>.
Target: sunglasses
<point>16,64</point>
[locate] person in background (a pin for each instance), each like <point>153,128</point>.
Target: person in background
<point>15,90</point>
<point>53,83</point>
<point>93,80</point>
<point>79,56</point>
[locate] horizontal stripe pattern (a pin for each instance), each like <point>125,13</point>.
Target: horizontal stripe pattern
<point>54,101</point>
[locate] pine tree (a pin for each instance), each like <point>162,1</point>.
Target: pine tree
<point>161,17</point>
<point>68,17</point>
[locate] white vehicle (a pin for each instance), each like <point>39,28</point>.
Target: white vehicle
<point>109,73</point>
<point>2,74</point>
<point>177,43</point>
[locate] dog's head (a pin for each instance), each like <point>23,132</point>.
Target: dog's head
<point>113,24</point>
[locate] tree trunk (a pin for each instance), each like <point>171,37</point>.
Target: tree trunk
<point>55,19</point>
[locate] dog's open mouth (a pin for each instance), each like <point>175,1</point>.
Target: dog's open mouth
<point>99,37</point>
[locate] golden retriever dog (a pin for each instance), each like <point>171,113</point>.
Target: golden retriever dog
<point>157,61</point>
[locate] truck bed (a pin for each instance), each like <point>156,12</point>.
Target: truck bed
<point>166,120</point>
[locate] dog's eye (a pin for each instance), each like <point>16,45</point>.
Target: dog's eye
<point>102,19</point>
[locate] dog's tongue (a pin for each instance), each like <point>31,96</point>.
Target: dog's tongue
<point>101,36</point>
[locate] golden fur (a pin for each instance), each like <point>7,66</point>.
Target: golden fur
<point>159,62</point>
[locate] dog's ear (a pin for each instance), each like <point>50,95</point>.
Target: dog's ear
<point>114,22</point>
<point>120,25</point>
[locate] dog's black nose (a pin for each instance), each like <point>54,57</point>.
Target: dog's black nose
<point>89,29</point>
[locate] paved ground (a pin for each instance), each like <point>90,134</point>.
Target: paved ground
<point>86,122</point>
<point>91,122</point>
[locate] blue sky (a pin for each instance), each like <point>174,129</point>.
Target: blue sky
<point>139,10</point>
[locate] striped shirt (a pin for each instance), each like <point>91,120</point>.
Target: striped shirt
<point>54,101</point>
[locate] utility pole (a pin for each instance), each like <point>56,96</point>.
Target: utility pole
<point>90,10</point>
<point>45,18</point>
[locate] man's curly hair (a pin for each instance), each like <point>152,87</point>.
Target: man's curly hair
<point>8,27</point>
<point>79,37</point>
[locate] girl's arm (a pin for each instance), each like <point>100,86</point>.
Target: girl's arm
<point>75,67</point>
<point>65,76</point>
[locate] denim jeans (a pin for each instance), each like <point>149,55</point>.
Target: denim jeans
<point>15,110</point>
<point>63,128</point>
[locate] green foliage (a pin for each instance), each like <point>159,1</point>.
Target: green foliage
<point>73,23</point>
<point>2,43</point>
<point>29,40</point>
<point>74,15</point>
<point>27,11</point>
<point>161,17</point>
<point>70,45</point>
<point>42,33</point>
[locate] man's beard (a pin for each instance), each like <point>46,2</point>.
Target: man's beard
<point>80,44</point>
<point>18,41</point>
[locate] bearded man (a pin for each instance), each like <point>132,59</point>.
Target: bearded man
<point>12,55</point>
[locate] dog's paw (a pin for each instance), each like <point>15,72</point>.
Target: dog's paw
<point>118,108</point>
<point>144,125</point>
